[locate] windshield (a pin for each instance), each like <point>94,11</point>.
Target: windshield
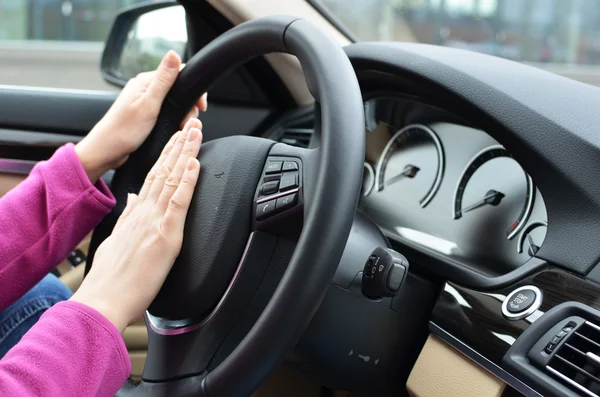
<point>548,33</point>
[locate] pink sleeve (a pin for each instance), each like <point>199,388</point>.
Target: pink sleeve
<point>44,218</point>
<point>71,351</point>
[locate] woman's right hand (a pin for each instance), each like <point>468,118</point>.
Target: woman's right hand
<point>131,265</point>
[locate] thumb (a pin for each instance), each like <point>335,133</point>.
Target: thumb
<point>165,75</point>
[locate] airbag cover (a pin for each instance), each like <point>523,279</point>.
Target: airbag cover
<point>217,227</point>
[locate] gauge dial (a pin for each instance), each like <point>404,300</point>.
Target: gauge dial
<point>494,183</point>
<point>532,238</point>
<point>412,164</point>
<point>368,180</point>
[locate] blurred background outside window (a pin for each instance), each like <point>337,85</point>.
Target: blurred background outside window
<point>57,43</point>
<point>562,36</point>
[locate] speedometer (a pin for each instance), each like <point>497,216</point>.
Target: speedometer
<point>412,164</point>
<point>495,186</point>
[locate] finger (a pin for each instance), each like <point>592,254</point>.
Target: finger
<point>165,76</point>
<point>193,113</point>
<point>190,150</point>
<point>131,200</point>
<point>202,103</point>
<point>178,206</point>
<point>154,170</point>
<point>168,165</point>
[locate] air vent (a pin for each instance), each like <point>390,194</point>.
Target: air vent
<point>295,128</point>
<point>296,136</point>
<point>577,361</point>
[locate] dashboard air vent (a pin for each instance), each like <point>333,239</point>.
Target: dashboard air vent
<point>577,361</point>
<point>294,128</point>
<point>296,136</point>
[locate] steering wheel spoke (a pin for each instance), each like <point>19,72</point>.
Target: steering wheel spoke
<point>200,338</point>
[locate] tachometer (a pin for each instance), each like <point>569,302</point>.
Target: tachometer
<point>412,164</point>
<point>494,181</point>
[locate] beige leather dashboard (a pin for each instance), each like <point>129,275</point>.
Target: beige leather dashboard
<point>442,371</point>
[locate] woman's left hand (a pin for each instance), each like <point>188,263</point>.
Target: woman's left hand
<point>131,118</point>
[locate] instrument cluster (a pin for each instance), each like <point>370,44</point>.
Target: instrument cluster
<point>451,188</point>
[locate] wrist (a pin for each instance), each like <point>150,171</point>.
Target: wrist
<point>92,165</point>
<point>104,308</point>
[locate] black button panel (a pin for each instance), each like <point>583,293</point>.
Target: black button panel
<point>265,209</point>
<point>551,346</point>
<point>289,181</point>
<point>290,166</point>
<point>280,186</point>
<point>285,202</point>
<point>270,187</point>
<point>273,167</point>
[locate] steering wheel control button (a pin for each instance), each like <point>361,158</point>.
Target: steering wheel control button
<point>273,167</point>
<point>521,303</point>
<point>286,202</point>
<point>265,209</point>
<point>270,187</point>
<point>290,166</point>
<point>288,181</point>
<point>384,273</point>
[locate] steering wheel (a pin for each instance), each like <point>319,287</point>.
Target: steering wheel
<point>266,228</point>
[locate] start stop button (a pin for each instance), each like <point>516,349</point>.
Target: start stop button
<point>522,303</point>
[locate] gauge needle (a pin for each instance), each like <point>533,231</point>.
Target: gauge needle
<point>492,198</point>
<point>410,171</point>
<point>533,249</point>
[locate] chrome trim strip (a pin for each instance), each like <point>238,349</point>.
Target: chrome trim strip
<point>593,357</point>
<point>482,361</point>
<point>597,328</point>
<point>371,174</point>
<point>7,87</point>
<point>530,310</point>
<point>441,161</point>
<point>14,166</point>
<point>177,327</point>
<point>528,207</point>
<point>276,196</point>
<point>571,382</point>
<point>533,225</point>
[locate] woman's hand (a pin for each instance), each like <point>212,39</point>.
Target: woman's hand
<point>131,265</point>
<point>130,119</point>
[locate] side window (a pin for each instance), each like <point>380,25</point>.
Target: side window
<point>55,43</point>
<point>59,44</point>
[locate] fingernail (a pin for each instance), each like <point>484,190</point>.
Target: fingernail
<point>189,124</point>
<point>205,95</point>
<point>172,59</point>
<point>193,134</point>
<point>192,164</point>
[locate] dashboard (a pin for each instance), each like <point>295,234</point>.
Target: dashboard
<point>448,187</point>
<point>486,181</point>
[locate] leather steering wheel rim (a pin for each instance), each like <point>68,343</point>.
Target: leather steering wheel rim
<point>331,199</point>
